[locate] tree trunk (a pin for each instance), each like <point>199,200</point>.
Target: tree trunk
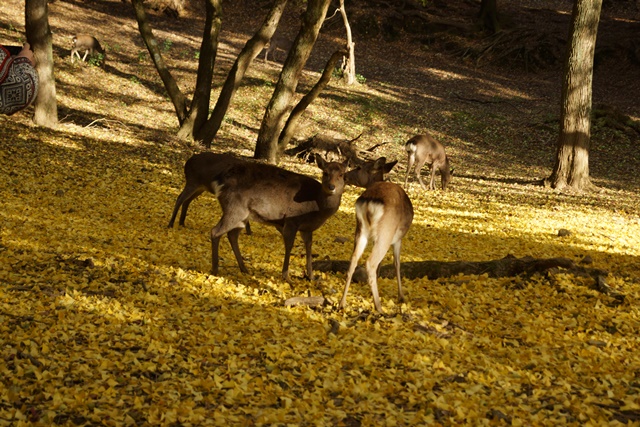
<point>350,66</point>
<point>275,115</point>
<point>571,168</point>
<point>39,36</point>
<point>488,17</point>
<point>251,49</point>
<point>292,123</point>
<point>199,111</point>
<point>177,98</point>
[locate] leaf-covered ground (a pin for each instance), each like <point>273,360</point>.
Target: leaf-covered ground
<point>109,318</point>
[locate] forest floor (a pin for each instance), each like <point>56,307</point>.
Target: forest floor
<point>109,318</point>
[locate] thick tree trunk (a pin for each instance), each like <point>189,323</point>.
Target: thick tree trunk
<point>292,122</point>
<point>199,111</point>
<point>571,168</point>
<point>177,98</point>
<point>39,36</point>
<point>488,17</point>
<point>251,49</point>
<point>276,113</point>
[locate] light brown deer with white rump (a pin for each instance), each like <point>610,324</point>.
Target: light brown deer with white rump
<point>423,149</point>
<point>289,201</point>
<point>84,42</point>
<point>384,214</point>
<point>199,172</point>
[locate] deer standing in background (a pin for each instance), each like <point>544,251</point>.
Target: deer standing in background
<point>289,201</point>
<point>199,172</point>
<point>423,149</point>
<point>277,42</point>
<point>384,214</point>
<point>84,42</point>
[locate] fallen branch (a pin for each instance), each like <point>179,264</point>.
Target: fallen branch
<point>308,301</point>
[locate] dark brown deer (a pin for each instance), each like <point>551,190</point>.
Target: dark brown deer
<point>423,149</point>
<point>200,171</point>
<point>383,214</point>
<point>277,42</point>
<point>87,44</point>
<point>369,172</point>
<point>289,201</point>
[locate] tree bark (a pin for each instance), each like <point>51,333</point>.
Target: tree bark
<point>350,66</point>
<point>39,36</point>
<point>177,98</point>
<point>488,17</point>
<point>199,111</point>
<point>275,115</point>
<point>294,118</point>
<point>251,49</point>
<point>571,168</point>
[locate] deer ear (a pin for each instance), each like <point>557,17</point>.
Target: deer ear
<point>389,166</point>
<point>320,161</point>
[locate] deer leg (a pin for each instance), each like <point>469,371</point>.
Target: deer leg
<point>410,162</point>
<point>227,223</point>
<point>396,260</point>
<point>186,203</point>
<point>183,200</point>
<point>378,252</point>
<point>419,166</point>
<point>307,238</point>
<point>232,235</point>
<point>432,183</point>
<point>289,237</point>
<point>358,248</point>
<point>86,53</point>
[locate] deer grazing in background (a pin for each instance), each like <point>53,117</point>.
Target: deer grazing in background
<point>277,42</point>
<point>423,149</point>
<point>87,44</point>
<point>384,214</point>
<point>199,172</point>
<point>289,201</point>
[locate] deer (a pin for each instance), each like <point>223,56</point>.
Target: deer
<point>289,201</point>
<point>384,214</point>
<point>366,173</point>
<point>84,42</point>
<point>423,149</point>
<point>277,42</point>
<point>199,171</point>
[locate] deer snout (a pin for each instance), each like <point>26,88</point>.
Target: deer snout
<point>330,188</point>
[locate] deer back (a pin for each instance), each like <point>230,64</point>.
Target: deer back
<point>272,194</point>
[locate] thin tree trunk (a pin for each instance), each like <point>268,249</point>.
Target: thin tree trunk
<point>572,158</point>
<point>199,111</point>
<point>177,98</point>
<point>39,36</point>
<point>275,115</point>
<point>350,66</point>
<point>294,118</point>
<point>251,49</point>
